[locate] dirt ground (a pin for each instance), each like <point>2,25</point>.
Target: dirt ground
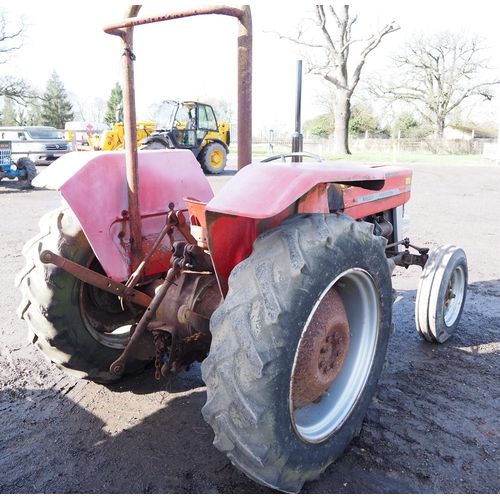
<point>434,426</point>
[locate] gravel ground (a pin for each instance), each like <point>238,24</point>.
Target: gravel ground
<point>433,427</point>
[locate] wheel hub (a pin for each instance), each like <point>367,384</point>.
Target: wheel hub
<point>216,159</point>
<point>322,351</point>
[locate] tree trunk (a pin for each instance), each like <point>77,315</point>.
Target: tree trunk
<point>440,122</point>
<point>342,113</point>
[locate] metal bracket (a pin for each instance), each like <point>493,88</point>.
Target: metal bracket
<point>96,279</point>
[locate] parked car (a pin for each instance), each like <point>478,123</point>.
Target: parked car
<point>42,145</point>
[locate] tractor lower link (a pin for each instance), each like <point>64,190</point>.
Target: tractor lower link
<point>382,227</point>
<point>175,326</point>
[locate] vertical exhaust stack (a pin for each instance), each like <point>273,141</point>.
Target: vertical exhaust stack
<point>298,139</point>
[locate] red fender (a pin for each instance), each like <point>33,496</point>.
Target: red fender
<point>261,195</point>
<point>94,184</point>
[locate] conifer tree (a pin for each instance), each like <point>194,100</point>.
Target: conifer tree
<point>114,106</point>
<point>9,115</point>
<point>56,107</point>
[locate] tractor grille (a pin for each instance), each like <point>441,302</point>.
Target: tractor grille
<point>5,153</point>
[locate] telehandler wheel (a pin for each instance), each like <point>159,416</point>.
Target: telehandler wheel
<point>213,158</point>
<point>70,321</point>
<point>26,163</point>
<point>298,346</point>
<point>441,293</point>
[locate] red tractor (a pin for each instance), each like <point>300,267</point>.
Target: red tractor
<point>279,285</point>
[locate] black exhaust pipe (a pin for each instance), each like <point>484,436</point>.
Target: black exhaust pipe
<point>298,139</point>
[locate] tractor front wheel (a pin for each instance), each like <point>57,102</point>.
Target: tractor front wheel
<point>298,346</point>
<point>213,158</point>
<point>26,180</point>
<point>77,326</point>
<point>441,293</point>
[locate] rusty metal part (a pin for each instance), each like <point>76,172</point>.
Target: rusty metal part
<point>125,30</point>
<point>188,308</point>
<point>144,348</point>
<point>161,349</point>
<point>178,220</point>
<point>191,257</point>
<point>187,316</point>
<point>406,243</point>
<point>173,219</point>
<point>138,273</point>
<point>118,367</point>
<point>386,228</point>
<point>322,351</point>
<point>199,293</point>
<point>242,13</point>
<point>98,280</point>
<point>406,259</point>
<point>184,320</point>
<point>130,130</point>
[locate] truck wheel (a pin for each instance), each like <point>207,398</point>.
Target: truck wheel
<point>70,321</point>
<point>441,293</point>
<point>213,158</point>
<point>29,166</point>
<point>298,346</point>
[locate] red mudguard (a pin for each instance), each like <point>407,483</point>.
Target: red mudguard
<point>94,184</point>
<point>261,195</point>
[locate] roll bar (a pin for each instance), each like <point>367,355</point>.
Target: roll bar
<point>125,30</point>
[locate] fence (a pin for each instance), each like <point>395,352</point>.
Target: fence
<point>424,146</point>
<point>491,151</point>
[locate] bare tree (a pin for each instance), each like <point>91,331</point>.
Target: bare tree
<point>436,73</point>
<point>91,109</point>
<point>12,36</point>
<point>151,112</point>
<point>329,57</point>
<point>223,107</point>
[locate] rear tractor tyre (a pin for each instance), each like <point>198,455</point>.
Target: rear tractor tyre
<point>441,293</point>
<point>26,164</point>
<point>75,325</point>
<point>213,158</point>
<point>298,346</point>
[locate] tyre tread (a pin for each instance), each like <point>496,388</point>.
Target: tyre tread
<point>239,372</point>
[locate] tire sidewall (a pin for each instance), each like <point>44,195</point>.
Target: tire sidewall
<point>429,304</point>
<point>205,160</point>
<point>314,454</point>
<point>255,340</point>
<point>52,301</point>
<point>452,260</point>
<point>31,172</point>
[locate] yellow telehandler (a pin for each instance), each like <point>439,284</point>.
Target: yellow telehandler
<point>111,140</point>
<point>180,125</point>
<point>191,125</point>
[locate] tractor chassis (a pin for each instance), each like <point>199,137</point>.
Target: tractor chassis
<point>175,345</point>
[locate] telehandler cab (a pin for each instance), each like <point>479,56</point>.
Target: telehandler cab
<point>279,285</point>
<point>191,125</point>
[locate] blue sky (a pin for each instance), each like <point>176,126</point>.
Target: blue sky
<point>196,57</point>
